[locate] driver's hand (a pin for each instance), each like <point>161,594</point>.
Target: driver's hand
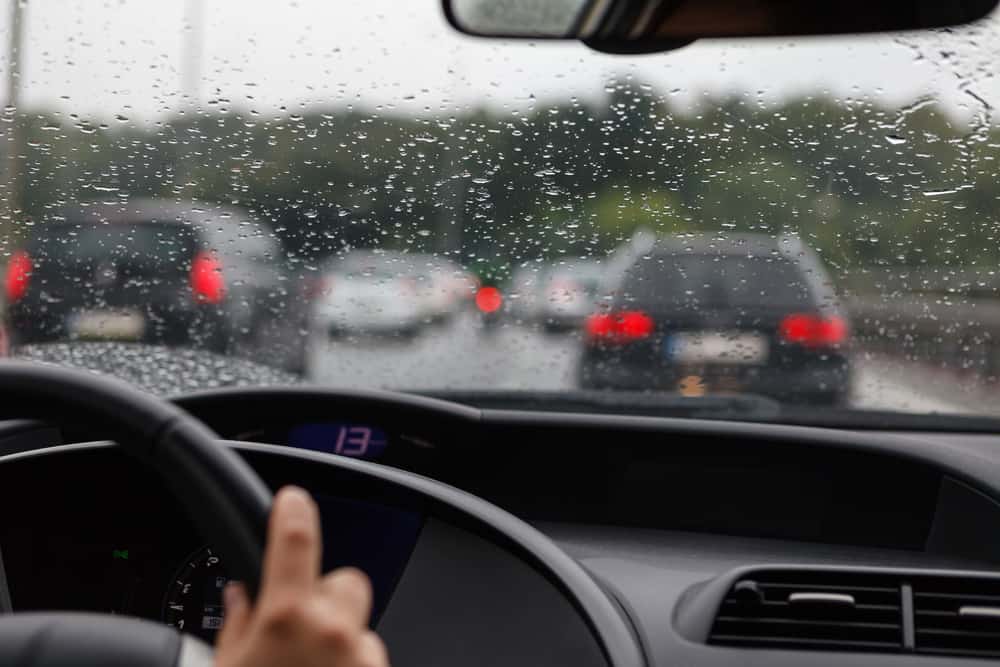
<point>300,618</point>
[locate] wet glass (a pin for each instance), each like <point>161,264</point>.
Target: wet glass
<point>321,190</point>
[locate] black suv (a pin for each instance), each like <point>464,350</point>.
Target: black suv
<point>157,272</point>
<point>724,313</point>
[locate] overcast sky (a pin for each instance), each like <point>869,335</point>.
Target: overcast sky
<point>101,58</point>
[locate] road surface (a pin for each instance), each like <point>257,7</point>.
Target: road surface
<point>462,355</point>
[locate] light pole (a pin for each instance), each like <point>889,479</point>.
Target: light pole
<point>193,45</point>
<point>11,179</point>
<point>451,223</point>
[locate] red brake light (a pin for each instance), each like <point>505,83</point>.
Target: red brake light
<point>813,330</point>
<point>620,327</point>
<point>634,324</point>
<point>18,272</point>
<point>206,278</point>
<point>489,299</point>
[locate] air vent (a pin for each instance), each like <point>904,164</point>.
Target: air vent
<point>825,610</point>
<point>957,616</point>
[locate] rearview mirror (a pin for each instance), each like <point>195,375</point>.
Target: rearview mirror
<point>641,25</point>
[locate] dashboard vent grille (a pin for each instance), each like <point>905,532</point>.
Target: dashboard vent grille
<point>957,616</point>
<point>846,611</point>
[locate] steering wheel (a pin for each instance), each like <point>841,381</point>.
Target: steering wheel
<point>223,495</point>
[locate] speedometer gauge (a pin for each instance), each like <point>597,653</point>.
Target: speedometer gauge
<point>193,603</point>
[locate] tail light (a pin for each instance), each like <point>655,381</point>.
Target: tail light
<point>621,327</point>
<point>18,272</point>
<point>489,299</point>
<point>206,278</point>
<point>813,330</point>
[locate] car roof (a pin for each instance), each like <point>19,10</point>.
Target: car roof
<point>730,244</point>
<point>353,259</point>
<point>408,262</point>
<point>575,265</point>
<point>230,230</point>
<point>154,210</point>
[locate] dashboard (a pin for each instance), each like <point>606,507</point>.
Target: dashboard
<point>931,494</point>
<point>504,537</point>
<point>115,543</point>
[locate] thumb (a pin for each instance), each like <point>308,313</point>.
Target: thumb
<point>237,603</point>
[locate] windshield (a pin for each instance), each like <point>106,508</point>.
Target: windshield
<point>357,196</point>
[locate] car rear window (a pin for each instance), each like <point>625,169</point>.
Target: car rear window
<point>374,275</point>
<point>166,247</point>
<point>587,280</point>
<point>715,281</point>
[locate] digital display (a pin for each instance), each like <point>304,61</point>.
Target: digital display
<point>375,538</point>
<point>359,441</point>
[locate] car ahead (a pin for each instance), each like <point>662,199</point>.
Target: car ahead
<point>368,292</point>
<point>557,296</point>
<point>455,281</point>
<point>442,286</point>
<point>150,271</point>
<point>742,314</point>
<point>460,282</point>
<point>570,290</point>
<point>524,291</point>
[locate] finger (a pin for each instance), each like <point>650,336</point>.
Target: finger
<point>349,592</point>
<point>237,616</point>
<point>294,546</point>
<point>371,651</point>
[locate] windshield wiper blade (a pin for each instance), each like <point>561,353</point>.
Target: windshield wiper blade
<point>718,406</point>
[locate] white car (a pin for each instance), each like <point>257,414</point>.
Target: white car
<point>568,294</point>
<point>442,285</point>
<point>367,294</point>
<point>436,297</point>
<point>524,292</point>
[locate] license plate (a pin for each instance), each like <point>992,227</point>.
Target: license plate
<point>107,325</point>
<point>711,347</point>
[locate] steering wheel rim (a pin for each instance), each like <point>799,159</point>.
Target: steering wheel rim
<point>221,493</point>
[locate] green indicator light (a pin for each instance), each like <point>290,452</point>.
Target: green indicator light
<point>119,554</point>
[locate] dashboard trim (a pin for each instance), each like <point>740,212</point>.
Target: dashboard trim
<point>605,619</point>
<point>962,460</point>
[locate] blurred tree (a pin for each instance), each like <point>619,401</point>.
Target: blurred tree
<point>866,186</point>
